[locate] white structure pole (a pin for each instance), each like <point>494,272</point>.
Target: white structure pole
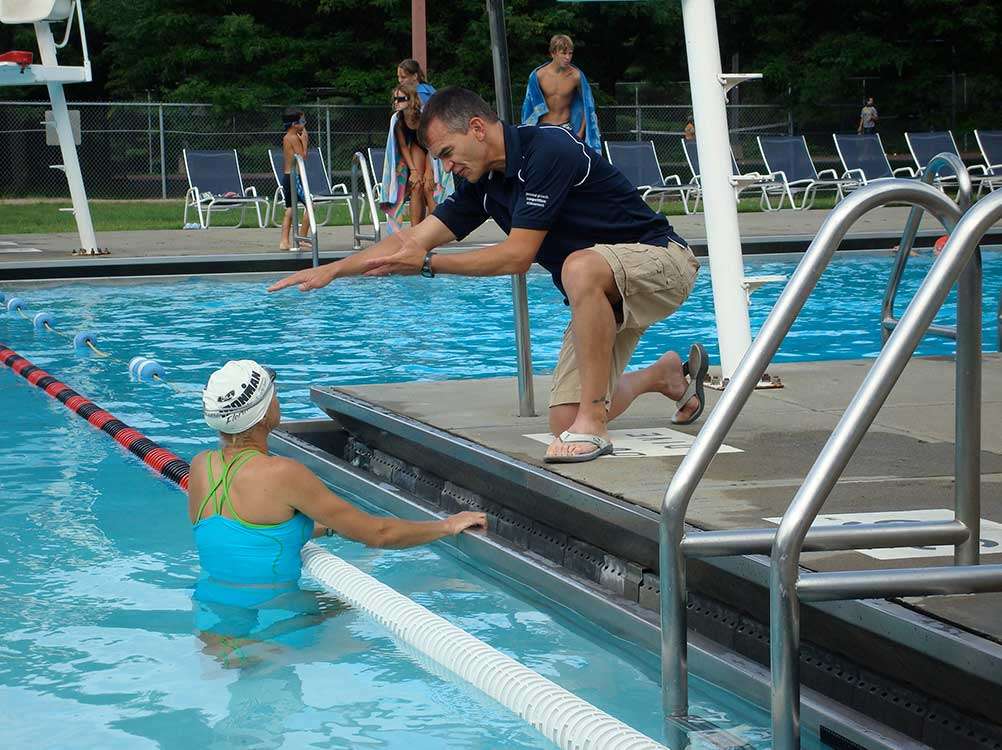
<point>71,165</point>
<point>720,209</point>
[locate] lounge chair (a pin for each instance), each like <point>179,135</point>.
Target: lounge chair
<point>741,181</point>
<point>638,161</point>
<point>214,184</point>
<point>924,146</point>
<point>323,193</point>
<point>787,158</point>
<point>990,143</point>
<point>864,159</point>
<point>376,158</point>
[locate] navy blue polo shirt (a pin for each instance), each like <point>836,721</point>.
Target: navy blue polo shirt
<point>553,181</point>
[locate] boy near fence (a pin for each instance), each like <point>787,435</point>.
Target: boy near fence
<point>295,142</point>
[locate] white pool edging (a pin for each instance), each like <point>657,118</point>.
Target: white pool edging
<point>559,715</point>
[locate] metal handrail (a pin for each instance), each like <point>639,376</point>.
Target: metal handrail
<point>742,384</point>
<point>359,165</point>
<point>965,191</point>
<point>959,262</point>
<point>297,177</point>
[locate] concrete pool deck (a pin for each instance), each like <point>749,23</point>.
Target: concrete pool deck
<point>220,249</point>
<point>459,445</point>
<point>904,464</point>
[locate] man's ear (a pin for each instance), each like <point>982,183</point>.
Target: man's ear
<point>479,128</point>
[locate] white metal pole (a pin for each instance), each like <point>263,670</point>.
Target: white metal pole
<point>61,116</point>
<point>720,209</point>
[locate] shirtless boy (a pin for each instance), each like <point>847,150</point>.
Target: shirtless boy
<point>560,82</point>
<point>294,142</point>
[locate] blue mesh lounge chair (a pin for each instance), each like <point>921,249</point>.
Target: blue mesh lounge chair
<point>214,184</point>
<point>376,158</point>
<point>324,194</point>
<point>864,159</point>
<point>766,184</point>
<point>787,158</point>
<point>924,146</point>
<point>990,143</point>
<point>638,161</point>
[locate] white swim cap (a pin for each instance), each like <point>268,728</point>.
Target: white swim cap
<point>238,395</point>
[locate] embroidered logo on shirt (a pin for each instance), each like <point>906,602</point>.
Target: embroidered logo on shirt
<point>536,200</point>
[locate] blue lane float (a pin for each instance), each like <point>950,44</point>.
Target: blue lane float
<point>42,321</point>
<point>85,339</point>
<point>141,369</point>
<point>146,370</point>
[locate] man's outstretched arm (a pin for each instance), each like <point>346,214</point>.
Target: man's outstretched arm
<point>429,234</point>
<point>514,255</point>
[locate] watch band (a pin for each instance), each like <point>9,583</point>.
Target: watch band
<point>426,270</point>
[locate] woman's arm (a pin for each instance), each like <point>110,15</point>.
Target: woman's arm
<point>310,496</point>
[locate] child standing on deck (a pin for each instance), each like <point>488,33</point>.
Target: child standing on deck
<point>295,142</point>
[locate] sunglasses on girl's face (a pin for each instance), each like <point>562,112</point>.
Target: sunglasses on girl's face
<point>401,98</point>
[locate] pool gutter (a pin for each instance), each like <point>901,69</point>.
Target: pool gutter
<point>557,588</point>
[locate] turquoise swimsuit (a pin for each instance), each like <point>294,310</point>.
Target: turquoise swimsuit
<point>233,550</point>
<point>249,587</point>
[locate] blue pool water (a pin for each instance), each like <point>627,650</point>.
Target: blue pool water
<point>96,561</point>
<point>99,642</point>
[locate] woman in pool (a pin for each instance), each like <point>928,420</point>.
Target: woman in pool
<point>253,512</point>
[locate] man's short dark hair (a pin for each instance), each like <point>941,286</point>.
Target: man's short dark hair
<point>291,116</point>
<point>454,107</point>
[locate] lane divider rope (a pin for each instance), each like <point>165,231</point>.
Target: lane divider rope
<point>142,369</point>
<point>563,718</point>
<point>161,460</point>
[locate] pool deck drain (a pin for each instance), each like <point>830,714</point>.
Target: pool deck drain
<point>905,462</point>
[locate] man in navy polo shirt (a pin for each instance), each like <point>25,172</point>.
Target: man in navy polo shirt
<point>619,265</point>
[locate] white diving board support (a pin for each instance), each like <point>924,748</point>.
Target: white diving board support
<point>708,86</point>
<point>42,13</point>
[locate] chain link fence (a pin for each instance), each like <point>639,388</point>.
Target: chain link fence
<point>133,150</point>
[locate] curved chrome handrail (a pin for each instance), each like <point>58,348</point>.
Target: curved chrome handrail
<point>359,165</point>
<point>299,174</point>
<point>959,257</point>
<point>965,191</point>
<point>683,484</point>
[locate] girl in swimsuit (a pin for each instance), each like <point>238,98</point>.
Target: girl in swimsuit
<point>421,178</point>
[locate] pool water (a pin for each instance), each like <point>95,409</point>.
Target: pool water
<point>98,633</point>
<point>100,647</point>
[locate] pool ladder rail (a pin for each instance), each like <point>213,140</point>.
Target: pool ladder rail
<point>360,168</point>
<point>965,190</point>
<point>788,583</point>
<point>299,178</point>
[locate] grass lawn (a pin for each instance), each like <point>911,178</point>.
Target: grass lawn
<point>25,216</point>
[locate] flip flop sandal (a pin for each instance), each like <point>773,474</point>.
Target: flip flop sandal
<point>602,448</point>
<point>698,365</point>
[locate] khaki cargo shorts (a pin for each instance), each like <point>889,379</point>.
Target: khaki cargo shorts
<point>653,282</point>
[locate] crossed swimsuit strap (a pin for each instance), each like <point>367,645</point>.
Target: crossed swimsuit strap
<point>223,485</point>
